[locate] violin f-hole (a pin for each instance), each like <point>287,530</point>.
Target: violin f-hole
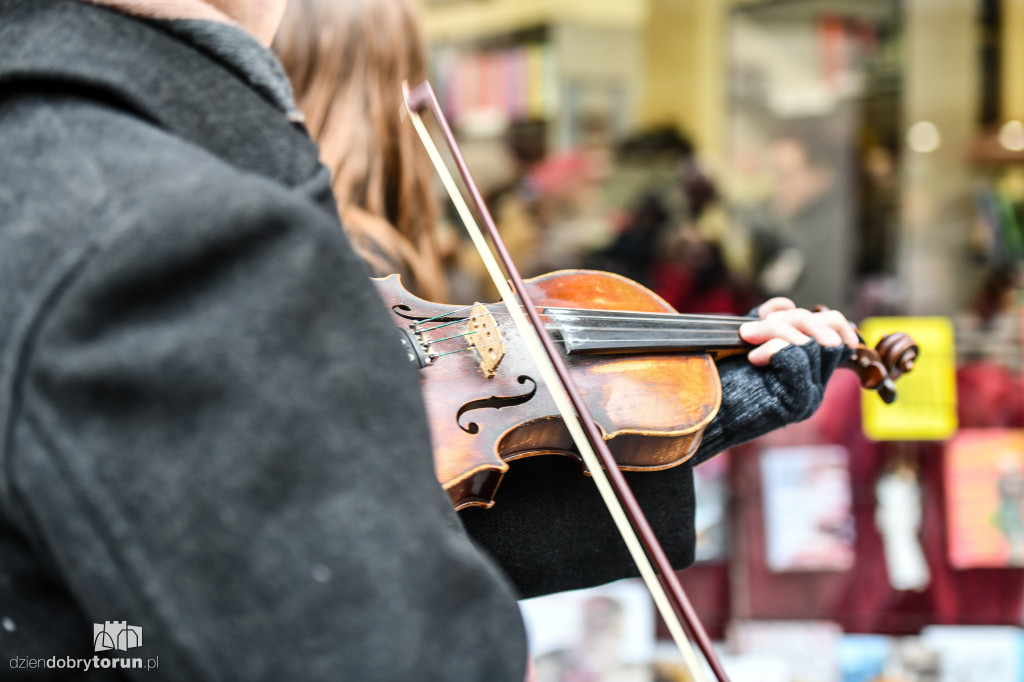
<point>495,401</point>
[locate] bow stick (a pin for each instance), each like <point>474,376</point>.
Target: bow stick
<point>643,545</point>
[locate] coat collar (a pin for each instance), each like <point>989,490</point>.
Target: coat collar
<point>187,76</point>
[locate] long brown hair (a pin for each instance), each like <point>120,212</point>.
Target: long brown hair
<point>346,60</point>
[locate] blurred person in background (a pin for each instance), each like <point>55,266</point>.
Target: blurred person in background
<point>210,427</point>
<point>646,187</point>
<point>692,277</point>
<point>988,341</point>
<point>634,250</point>
<point>674,237</point>
<point>809,255</point>
<point>511,150</point>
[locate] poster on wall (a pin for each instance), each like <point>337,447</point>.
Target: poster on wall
<point>604,633</point>
<point>807,508</point>
<point>984,481</point>
<point>925,407</point>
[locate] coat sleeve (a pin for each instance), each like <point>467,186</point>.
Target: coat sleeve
<point>216,439</point>
<point>756,400</point>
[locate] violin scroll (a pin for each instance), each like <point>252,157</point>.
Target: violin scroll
<point>879,367</point>
<point>898,352</point>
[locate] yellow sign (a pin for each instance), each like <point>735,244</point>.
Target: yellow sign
<point>925,407</point>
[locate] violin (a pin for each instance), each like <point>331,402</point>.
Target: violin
<point>552,358</point>
<point>646,373</point>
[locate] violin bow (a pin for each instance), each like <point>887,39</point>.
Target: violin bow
<point>644,547</point>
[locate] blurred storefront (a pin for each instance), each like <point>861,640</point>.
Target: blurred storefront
<point>863,154</point>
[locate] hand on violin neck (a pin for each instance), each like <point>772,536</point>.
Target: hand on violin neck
<point>782,324</point>
<point>756,400</point>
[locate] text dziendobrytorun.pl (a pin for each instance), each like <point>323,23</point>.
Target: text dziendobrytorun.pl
<point>84,664</point>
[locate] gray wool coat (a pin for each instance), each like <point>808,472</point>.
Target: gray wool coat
<point>207,428</point>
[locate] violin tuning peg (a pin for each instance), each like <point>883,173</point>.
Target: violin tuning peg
<point>868,366</point>
<point>887,391</point>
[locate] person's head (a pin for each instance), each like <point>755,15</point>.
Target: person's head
<point>346,60</point>
<point>803,166</point>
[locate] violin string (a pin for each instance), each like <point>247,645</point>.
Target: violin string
<point>450,352</point>
<point>704,329</point>
<point>654,345</point>
<point>697,338</point>
<point>446,314</point>
<point>625,314</point>
<point>455,336</point>
<point>653,335</point>
<point>589,313</point>
<point>617,322</point>
<point>681,342</point>
<point>574,314</point>
<point>461,319</point>
<point>660,318</point>
<point>609,313</point>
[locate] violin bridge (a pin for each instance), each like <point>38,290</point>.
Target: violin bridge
<point>486,339</point>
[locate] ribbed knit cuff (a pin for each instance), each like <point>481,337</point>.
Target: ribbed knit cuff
<point>756,400</point>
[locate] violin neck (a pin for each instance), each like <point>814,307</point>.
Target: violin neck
<point>611,331</point>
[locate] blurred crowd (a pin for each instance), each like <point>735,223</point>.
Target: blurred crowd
<point>642,207</point>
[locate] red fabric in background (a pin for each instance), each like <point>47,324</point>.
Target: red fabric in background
<point>861,599</point>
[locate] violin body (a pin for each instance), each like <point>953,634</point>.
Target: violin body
<point>651,407</point>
